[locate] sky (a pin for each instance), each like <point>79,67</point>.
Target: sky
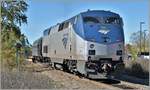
<point>43,14</point>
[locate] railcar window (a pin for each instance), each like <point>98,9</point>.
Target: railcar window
<point>90,20</point>
<point>112,20</point>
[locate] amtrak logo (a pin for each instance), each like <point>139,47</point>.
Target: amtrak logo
<point>103,30</point>
<point>64,40</point>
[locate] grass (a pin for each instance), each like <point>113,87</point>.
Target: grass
<point>26,79</point>
<point>138,68</point>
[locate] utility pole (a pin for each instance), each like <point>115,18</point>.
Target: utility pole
<point>141,36</point>
<point>144,39</point>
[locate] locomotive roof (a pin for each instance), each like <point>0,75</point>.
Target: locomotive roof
<point>37,41</point>
<point>101,13</point>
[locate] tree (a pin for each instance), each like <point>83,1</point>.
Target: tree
<point>135,41</point>
<point>12,17</point>
<point>131,50</point>
<point>13,12</point>
<point>134,46</point>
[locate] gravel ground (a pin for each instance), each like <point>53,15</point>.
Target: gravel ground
<point>53,79</point>
<point>70,81</point>
<point>65,80</point>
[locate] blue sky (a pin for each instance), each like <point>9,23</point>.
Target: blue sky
<point>45,13</point>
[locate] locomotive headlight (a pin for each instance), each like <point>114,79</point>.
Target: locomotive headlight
<point>92,46</point>
<point>119,52</point>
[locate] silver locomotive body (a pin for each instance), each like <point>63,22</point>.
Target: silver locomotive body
<point>91,43</point>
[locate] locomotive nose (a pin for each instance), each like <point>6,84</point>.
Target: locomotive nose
<point>97,49</point>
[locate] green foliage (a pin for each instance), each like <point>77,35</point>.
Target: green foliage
<point>8,49</point>
<point>13,12</point>
<point>132,50</point>
<point>12,16</point>
<point>135,40</point>
<point>134,47</point>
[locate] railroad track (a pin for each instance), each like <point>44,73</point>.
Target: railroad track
<point>135,86</point>
<point>119,85</point>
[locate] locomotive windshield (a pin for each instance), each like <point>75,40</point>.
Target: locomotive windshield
<point>104,20</point>
<point>90,20</point>
<point>112,20</point>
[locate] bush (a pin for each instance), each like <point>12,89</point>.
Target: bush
<point>137,68</point>
<point>8,50</point>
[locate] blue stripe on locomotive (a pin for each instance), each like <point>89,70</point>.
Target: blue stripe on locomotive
<point>116,33</point>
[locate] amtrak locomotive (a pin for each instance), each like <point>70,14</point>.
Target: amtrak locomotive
<point>91,43</point>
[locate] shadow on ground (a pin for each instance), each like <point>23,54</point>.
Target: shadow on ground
<point>107,81</point>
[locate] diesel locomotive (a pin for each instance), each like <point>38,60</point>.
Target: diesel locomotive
<point>91,43</point>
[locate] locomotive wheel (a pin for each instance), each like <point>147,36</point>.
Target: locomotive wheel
<point>54,65</point>
<point>33,60</point>
<point>65,66</point>
<point>87,75</point>
<point>50,63</point>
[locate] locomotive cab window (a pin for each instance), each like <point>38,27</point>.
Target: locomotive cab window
<point>66,25</point>
<point>63,26</point>
<point>46,32</point>
<point>112,20</point>
<point>90,20</point>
